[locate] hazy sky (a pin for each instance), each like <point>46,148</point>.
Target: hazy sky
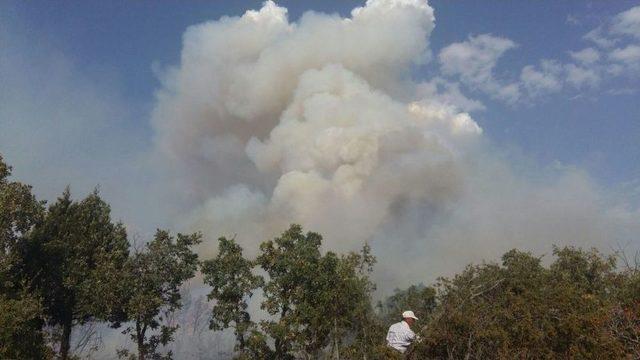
<point>554,84</point>
<point>441,133</point>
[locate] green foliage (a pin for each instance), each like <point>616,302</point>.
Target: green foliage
<point>521,309</point>
<point>291,263</point>
<point>230,276</point>
<point>66,255</point>
<point>70,264</point>
<point>21,335</point>
<point>317,298</point>
<point>149,289</point>
<point>358,327</point>
<point>317,301</point>
<point>19,212</point>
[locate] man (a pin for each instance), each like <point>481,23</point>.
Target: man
<point>400,335</point>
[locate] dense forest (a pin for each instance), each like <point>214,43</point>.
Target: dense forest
<point>67,264</point>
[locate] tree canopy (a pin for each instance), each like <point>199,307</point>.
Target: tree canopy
<point>70,264</point>
<point>66,253</point>
<point>314,300</point>
<point>574,308</point>
<point>21,310</point>
<point>150,288</point>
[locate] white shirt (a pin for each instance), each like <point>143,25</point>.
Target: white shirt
<point>400,336</point>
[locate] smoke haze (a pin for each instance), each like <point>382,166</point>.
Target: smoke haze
<point>267,122</point>
<point>319,121</point>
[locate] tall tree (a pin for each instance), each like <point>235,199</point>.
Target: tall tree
<point>346,300</point>
<point>67,252</point>
<point>21,334</point>
<point>150,287</point>
<point>232,284</point>
<point>19,212</point>
<point>291,262</point>
<point>317,301</point>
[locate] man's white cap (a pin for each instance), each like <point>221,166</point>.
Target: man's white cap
<point>409,314</point>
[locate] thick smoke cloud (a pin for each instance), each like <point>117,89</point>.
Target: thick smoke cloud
<point>266,122</point>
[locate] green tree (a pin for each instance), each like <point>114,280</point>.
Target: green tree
<point>356,330</point>
<point>291,262</point>
<point>624,322</point>
<point>317,301</point>
<point>232,284</point>
<point>150,288</point>
<point>67,252</point>
<point>521,309</point>
<point>21,335</point>
<point>19,212</point>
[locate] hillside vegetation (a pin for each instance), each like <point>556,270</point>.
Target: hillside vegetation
<point>69,264</point>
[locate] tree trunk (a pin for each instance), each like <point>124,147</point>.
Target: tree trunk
<point>65,343</point>
<point>366,340</point>
<point>336,346</point>
<point>280,346</point>
<point>240,331</point>
<point>140,340</point>
<point>241,344</point>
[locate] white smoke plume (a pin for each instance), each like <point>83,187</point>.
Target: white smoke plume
<point>267,122</point>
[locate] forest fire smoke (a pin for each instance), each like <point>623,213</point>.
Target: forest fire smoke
<point>268,122</point>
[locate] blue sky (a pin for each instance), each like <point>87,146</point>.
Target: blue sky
<point>114,49</point>
<point>184,130</point>
<point>599,131</point>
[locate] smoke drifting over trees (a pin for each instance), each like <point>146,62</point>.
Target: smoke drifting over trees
<point>267,122</point>
<point>69,265</point>
<point>319,122</point>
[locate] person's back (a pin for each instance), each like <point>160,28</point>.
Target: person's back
<point>400,335</point>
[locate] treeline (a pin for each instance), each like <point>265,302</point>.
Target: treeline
<point>69,264</point>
